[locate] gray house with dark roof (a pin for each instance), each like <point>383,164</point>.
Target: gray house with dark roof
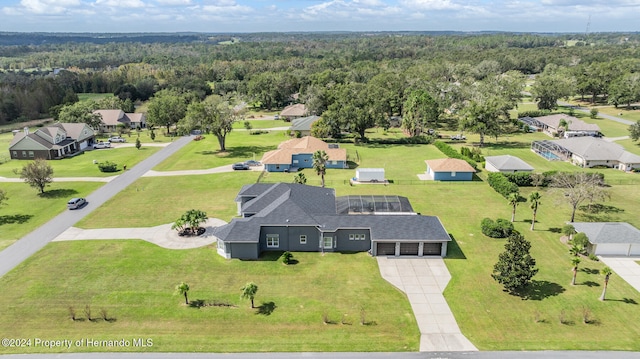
<point>610,238</point>
<point>297,217</point>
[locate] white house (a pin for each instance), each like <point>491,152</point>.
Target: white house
<point>610,238</point>
<point>506,163</point>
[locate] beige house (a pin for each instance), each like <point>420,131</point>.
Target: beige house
<point>111,119</point>
<point>52,142</point>
<point>551,125</point>
<point>293,111</point>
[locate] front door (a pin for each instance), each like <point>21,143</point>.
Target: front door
<point>327,242</point>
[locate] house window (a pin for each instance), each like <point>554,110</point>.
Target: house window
<point>273,240</point>
<point>277,167</point>
<point>453,174</point>
<point>15,154</point>
<point>303,239</point>
<point>31,154</point>
<point>362,237</point>
<point>334,162</point>
<point>24,153</point>
<point>352,237</point>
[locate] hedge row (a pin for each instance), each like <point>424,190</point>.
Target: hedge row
<point>451,152</point>
<point>534,113</point>
<point>499,182</point>
<point>530,179</point>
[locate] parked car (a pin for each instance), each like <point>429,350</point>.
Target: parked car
<point>116,139</point>
<point>75,203</point>
<point>252,163</point>
<point>240,166</point>
<point>458,137</point>
<point>102,145</point>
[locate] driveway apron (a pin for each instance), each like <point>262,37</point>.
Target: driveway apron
<point>423,280</point>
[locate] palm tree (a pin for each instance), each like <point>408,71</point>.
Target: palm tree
<point>249,291</point>
<point>575,250</point>
<point>514,199</point>
<point>183,289</point>
<point>534,198</point>
<point>575,261</point>
<point>569,230</point>
<point>320,159</point>
<point>606,272</point>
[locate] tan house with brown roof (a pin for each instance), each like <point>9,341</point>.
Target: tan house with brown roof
<point>52,142</point>
<point>449,169</point>
<point>297,153</point>
<point>293,111</point>
<point>111,118</point>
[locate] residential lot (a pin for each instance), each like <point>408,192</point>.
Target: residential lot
<point>134,281</point>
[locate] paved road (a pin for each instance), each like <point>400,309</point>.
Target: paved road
<point>423,355</point>
<point>603,115</point>
<point>34,241</point>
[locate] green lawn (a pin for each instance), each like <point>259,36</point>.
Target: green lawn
<point>138,293</point>
<point>622,112</point>
<point>26,209</point>
<point>82,165</point>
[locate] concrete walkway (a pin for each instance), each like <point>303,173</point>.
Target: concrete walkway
<point>626,268</point>
<point>614,139</point>
<point>161,235</point>
<point>424,280</point>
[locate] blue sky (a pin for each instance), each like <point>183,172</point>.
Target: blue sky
<point>318,15</point>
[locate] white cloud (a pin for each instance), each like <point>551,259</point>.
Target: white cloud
<point>48,6</point>
<point>431,4</point>
<point>355,10</point>
<point>121,3</point>
<point>174,2</point>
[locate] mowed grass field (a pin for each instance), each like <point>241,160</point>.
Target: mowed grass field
<point>137,287</point>
<point>137,291</point>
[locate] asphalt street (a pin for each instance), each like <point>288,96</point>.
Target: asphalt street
<point>603,115</point>
<point>25,247</point>
<point>411,355</point>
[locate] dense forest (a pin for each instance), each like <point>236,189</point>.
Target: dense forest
<point>399,73</point>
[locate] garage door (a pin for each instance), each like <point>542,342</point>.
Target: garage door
<point>386,249</point>
<point>432,249</point>
<point>409,249</point>
<point>635,250</point>
<point>612,249</point>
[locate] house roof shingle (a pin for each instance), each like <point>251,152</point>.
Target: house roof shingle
<point>596,149</point>
<point>508,163</point>
<point>303,123</point>
<point>296,204</point>
<point>608,232</point>
<point>296,110</point>
<point>449,165</point>
<point>306,144</point>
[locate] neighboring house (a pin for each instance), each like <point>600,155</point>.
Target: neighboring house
<point>506,163</point>
<point>52,142</point>
<point>112,118</point>
<point>587,152</point>
<point>293,111</point>
<point>303,125</point>
<point>610,238</point>
<point>297,153</point>
<point>297,217</point>
<point>449,169</point>
<point>551,125</point>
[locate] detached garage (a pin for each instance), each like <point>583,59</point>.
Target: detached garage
<point>610,238</point>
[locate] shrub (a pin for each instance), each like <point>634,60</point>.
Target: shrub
<point>418,140</point>
<point>520,179</point>
<point>593,113</point>
<point>499,182</point>
<point>533,113</point>
<point>593,257</point>
<point>107,166</point>
<point>287,257</point>
<point>580,240</point>
<point>473,153</point>
<point>501,228</point>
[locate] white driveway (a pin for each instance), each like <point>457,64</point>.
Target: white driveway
<point>423,280</point>
<point>626,268</point>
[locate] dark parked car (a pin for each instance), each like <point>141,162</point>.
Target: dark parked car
<point>252,163</point>
<point>240,166</point>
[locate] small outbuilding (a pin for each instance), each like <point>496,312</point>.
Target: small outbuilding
<point>449,169</point>
<point>374,175</point>
<point>610,238</point>
<point>506,164</point>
